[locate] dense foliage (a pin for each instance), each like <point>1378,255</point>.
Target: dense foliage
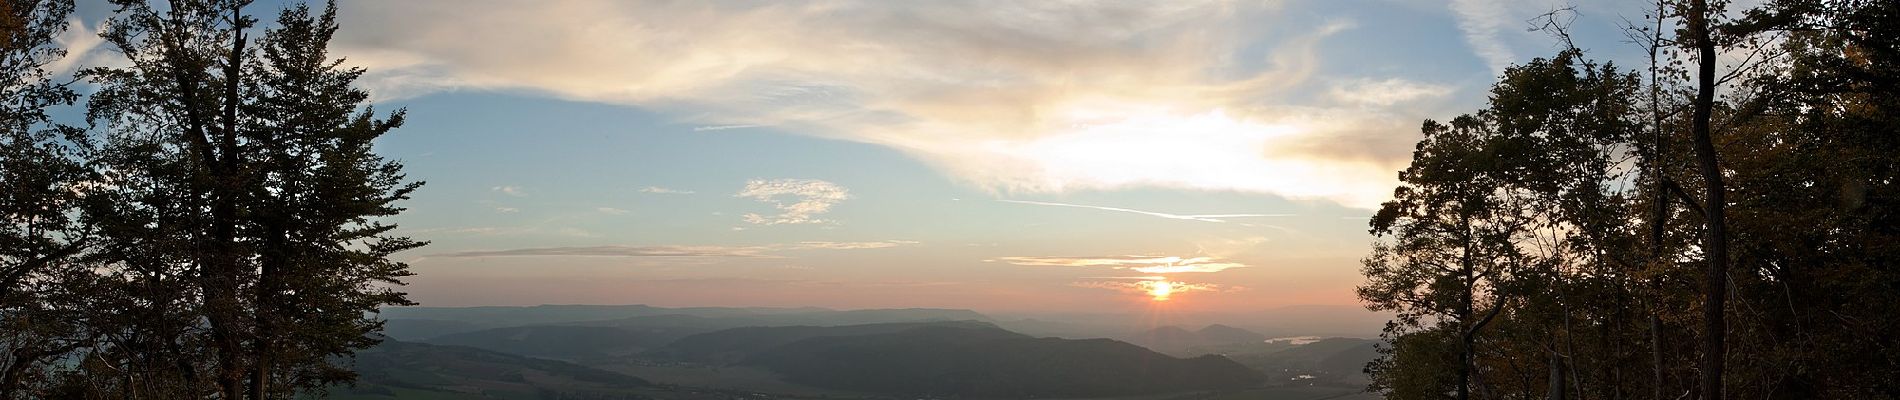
<point>1691,231</point>
<point>215,228</point>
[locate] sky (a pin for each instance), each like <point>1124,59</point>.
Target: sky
<point>992,155</point>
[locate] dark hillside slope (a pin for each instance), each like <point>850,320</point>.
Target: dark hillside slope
<point>396,369</point>
<point>1331,360</point>
<point>738,344</point>
<point>562,341</point>
<point>1218,333</point>
<point>990,362</point>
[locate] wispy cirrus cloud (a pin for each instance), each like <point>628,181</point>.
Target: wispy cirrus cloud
<point>725,127</point>
<point>511,230</point>
<point>760,251</point>
<point>515,191</point>
<point>1142,264</point>
<point>662,190</point>
<point>84,48</point>
<point>851,245</point>
<point>1482,22</point>
<point>1188,217</point>
<point>611,211</point>
<point>813,196</point>
<point>1147,286</point>
<point>1009,96</point>
<point>614,251</point>
<point>1385,92</point>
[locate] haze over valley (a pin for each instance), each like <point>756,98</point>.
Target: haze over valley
<point>721,352</point>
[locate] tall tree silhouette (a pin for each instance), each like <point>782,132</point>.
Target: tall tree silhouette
<point>1771,237</point>
<point>1491,204</point>
<point>42,178</point>
<point>1449,244</point>
<point>258,188</point>
<point>1714,202</point>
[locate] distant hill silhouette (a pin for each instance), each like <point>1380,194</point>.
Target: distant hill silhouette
<point>1227,334</point>
<point>624,336</point>
<point>415,329</point>
<point>421,323</point>
<point>403,370</point>
<point>1332,360</point>
<point>890,352</point>
<point>959,359</point>
<point>564,341</point>
<point>736,345</point>
<point>497,316</point>
<point>1182,342</point>
<point>813,318</point>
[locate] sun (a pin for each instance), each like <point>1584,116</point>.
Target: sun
<point>1160,290</point>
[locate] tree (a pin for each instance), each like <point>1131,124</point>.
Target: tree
<point>1512,204</point>
<point>1449,244</point>
<point>1714,200</point>
<point>42,179</point>
<point>323,255</point>
<point>249,229</point>
<point>1811,155</point>
<point>1774,236</point>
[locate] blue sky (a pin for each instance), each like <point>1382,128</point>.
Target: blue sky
<point>1004,156</point>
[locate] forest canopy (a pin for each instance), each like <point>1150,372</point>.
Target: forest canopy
<point>1690,226</point>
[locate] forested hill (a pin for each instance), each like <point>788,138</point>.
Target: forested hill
<point>968,360</point>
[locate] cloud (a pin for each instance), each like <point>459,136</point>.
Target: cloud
<point>1130,278</point>
<point>1032,97</point>
<point>1385,92</point>
<point>1142,264</point>
<point>761,251</point>
<point>83,49</point>
<point>613,251</point>
<point>1146,286</point>
<point>611,211</point>
<point>852,245</point>
<point>493,230</point>
<point>1195,217</point>
<point>509,190</point>
<point>725,127</point>
<point>1482,22</point>
<point>507,210</point>
<point>814,197</point>
<point>661,190</point>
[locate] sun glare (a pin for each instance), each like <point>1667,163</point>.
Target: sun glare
<point>1115,147</point>
<point>1160,290</point>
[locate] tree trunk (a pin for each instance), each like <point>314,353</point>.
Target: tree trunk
<point>1466,329</point>
<point>226,216</point>
<point>1716,240</point>
<point>1656,357</point>
<point>1659,208</point>
<point>1556,376</point>
<point>1660,211</point>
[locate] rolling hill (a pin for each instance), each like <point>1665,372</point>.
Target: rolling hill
<point>563,341</point>
<point>1182,342</point>
<point>624,336</point>
<point>959,359</point>
<point>1340,361</point>
<point>495,317</point>
<point>737,345</point>
<point>404,370</point>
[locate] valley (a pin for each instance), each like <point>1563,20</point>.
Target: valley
<point>639,352</point>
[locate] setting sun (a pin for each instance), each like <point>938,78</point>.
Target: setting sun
<point>1160,290</point>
